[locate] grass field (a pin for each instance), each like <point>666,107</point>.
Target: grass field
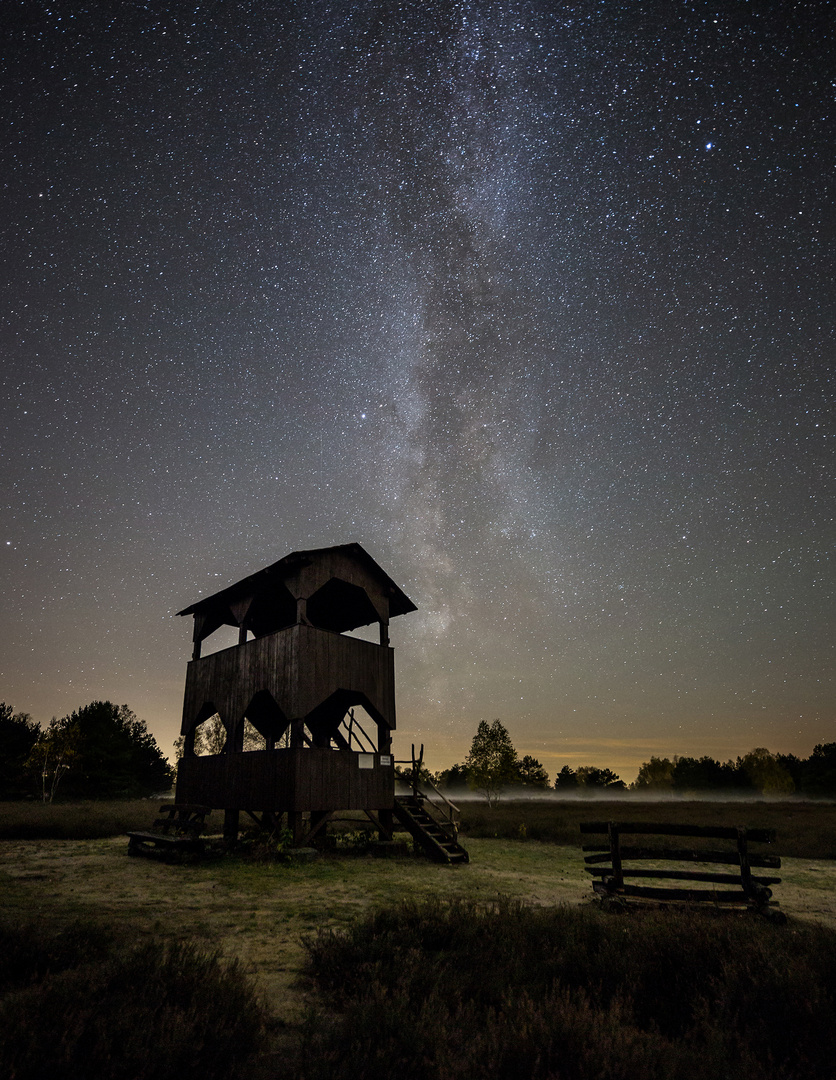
<point>805,829</point>
<point>257,914</point>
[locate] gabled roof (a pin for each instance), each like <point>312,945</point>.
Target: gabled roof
<point>399,602</point>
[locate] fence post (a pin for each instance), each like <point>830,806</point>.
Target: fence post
<point>743,855</point>
<point>615,854</point>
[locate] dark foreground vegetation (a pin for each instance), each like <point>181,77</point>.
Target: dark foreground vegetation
<point>449,991</point>
<point>75,1005</point>
<point>439,991</point>
<point>462,993</point>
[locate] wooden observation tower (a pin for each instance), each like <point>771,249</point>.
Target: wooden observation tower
<point>297,678</point>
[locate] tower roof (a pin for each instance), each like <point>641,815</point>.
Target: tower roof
<point>277,573</point>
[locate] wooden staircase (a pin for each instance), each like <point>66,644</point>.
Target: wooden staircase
<point>438,839</point>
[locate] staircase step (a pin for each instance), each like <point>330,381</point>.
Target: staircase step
<point>438,841</point>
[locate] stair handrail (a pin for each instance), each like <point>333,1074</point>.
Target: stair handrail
<point>417,782</point>
<point>454,810</point>
<point>450,816</point>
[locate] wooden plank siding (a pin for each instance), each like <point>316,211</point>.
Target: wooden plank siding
<point>297,779</point>
<point>301,666</point>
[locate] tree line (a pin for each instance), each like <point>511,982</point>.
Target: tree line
<point>104,751</point>
<point>492,765</point>
<point>101,751</point>
<point>759,770</point>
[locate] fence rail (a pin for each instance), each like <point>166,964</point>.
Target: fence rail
<point>611,864</point>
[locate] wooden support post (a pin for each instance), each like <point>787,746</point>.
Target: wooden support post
<point>384,745</point>
<point>197,634</point>
<point>296,824</point>
<point>386,821</point>
<point>231,827</point>
<point>319,820</point>
<point>384,632</point>
<point>743,855</point>
<point>235,738</point>
<point>318,824</point>
<point>416,770</point>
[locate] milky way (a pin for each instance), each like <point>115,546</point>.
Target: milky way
<point>534,301</point>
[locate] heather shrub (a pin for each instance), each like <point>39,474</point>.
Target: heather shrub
<point>464,992</point>
<point>74,1005</point>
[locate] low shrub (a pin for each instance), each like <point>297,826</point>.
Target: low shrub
<point>462,992</point>
<point>74,1005</point>
<point>355,839</point>
<point>28,955</point>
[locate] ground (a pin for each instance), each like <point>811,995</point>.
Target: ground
<point>259,912</point>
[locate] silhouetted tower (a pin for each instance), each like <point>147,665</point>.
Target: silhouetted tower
<point>297,678</point>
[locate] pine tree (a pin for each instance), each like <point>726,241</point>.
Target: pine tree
<point>566,779</point>
<point>532,773</point>
<point>18,734</point>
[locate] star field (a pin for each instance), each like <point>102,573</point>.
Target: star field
<point>534,301</point>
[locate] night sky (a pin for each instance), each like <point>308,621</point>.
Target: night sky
<point>533,300</point>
